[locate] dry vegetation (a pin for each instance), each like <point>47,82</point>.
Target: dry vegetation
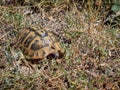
<point>92,49</point>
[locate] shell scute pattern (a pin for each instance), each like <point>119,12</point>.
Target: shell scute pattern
<point>37,44</point>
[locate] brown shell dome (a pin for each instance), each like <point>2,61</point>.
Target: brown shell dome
<point>37,44</point>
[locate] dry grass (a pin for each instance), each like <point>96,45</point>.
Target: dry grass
<point>92,50</point>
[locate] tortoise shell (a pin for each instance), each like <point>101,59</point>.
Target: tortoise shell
<point>37,44</point>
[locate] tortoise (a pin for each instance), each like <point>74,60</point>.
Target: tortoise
<point>38,43</point>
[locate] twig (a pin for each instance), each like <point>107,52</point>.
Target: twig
<point>4,35</point>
